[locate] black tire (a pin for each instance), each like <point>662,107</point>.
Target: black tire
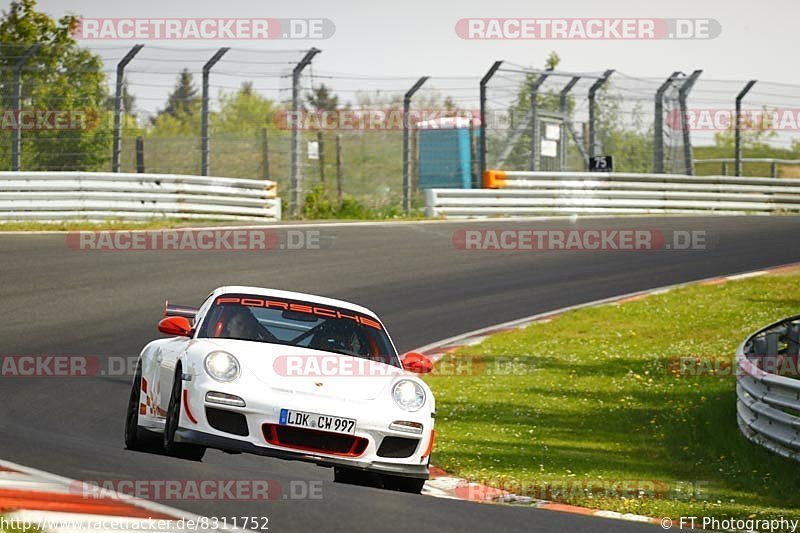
<point>412,485</point>
<point>348,476</point>
<point>191,452</point>
<point>136,438</point>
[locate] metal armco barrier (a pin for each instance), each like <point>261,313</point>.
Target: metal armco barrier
<point>56,196</point>
<point>539,193</point>
<point>767,404</point>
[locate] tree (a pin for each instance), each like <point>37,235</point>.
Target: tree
<point>181,116</point>
<point>128,100</point>
<point>623,133</point>
<point>518,132</point>
<point>247,88</point>
<point>552,61</point>
<point>756,129</point>
<point>322,99</point>
<point>183,101</point>
<point>243,112</point>
<point>60,76</point>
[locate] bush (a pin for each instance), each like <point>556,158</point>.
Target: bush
<point>318,205</point>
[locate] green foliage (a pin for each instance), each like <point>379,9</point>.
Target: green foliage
<point>595,398</point>
<point>58,76</point>
<point>631,141</point>
<point>748,169</point>
<point>321,98</point>
<point>181,116</point>
<point>318,205</point>
<point>552,61</point>
<point>183,101</point>
<point>755,131</point>
<point>519,117</point>
<point>128,100</point>
<point>621,132</point>
<point>243,112</point>
<point>108,225</point>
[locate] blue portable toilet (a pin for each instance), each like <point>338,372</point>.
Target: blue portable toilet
<point>445,153</point>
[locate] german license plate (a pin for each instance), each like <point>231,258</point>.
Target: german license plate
<point>335,424</point>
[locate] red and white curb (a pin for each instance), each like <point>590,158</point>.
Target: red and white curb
<point>55,504</point>
<point>445,485</point>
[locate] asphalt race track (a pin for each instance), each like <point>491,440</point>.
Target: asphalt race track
<point>60,301</point>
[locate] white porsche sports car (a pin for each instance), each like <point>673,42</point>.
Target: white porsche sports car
<point>288,375</point>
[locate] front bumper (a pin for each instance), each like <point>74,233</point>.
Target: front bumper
<point>263,408</point>
<point>228,444</point>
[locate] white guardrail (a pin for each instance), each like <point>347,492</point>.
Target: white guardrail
<point>768,404</point>
<point>56,196</point>
<point>538,193</point>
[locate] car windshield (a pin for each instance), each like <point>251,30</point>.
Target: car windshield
<point>296,323</point>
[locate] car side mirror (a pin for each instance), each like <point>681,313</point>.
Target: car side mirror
<point>175,325</point>
<point>417,363</point>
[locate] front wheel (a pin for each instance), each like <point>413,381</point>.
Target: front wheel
<point>402,484</point>
<point>192,452</point>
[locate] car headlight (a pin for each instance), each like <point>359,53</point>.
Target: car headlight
<point>408,395</point>
<point>222,366</point>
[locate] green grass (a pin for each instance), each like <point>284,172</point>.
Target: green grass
<point>591,397</point>
<point>321,204</point>
<point>80,225</point>
<point>748,169</point>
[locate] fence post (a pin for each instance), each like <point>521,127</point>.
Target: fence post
<point>415,161</point>
<point>793,339</point>
<point>265,152</point>
<point>140,155</point>
<point>321,157</point>
<point>593,109</point>
<point>562,106</point>
<point>204,110</point>
<point>16,139</point>
<point>117,143</point>
<point>406,152</point>
<point>339,177</point>
<point>296,193</point>
<point>658,124</point>
<point>534,103</point>
<point>737,146</point>
<point>482,148</point>
<point>473,178</point>
<point>724,168</point>
<point>683,94</point>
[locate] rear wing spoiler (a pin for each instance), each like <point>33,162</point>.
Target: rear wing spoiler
<point>179,310</point>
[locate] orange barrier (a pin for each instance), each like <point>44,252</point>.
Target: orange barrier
<point>494,179</point>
